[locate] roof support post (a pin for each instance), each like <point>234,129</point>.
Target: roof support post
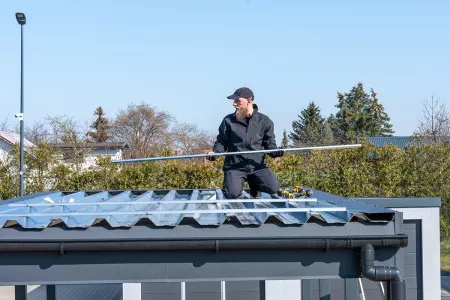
<point>262,290</point>
<point>51,292</point>
<point>20,292</point>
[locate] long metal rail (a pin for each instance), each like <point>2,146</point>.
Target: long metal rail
<point>174,211</point>
<point>285,200</point>
<point>134,160</point>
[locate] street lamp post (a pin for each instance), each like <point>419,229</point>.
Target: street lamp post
<point>20,17</point>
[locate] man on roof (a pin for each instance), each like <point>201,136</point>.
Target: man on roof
<point>244,130</point>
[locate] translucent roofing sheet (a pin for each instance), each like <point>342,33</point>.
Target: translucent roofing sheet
<point>206,207</point>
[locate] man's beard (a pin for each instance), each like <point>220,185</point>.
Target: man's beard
<point>241,114</point>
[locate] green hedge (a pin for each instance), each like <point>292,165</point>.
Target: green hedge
<point>363,172</point>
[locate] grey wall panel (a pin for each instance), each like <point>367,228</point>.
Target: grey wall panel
<point>202,296</point>
<point>412,239</point>
<point>413,259</point>
<point>410,270</point>
<point>351,289</point>
<point>243,286</point>
<point>409,258</point>
<point>324,289</point>
<point>161,291</point>
<point>338,295</point>
<point>203,290</point>
<point>160,297</point>
<point>411,282</point>
<point>373,294</point>
<point>161,288</point>
<point>337,287</point>
<point>337,284</point>
<point>243,290</point>
<point>306,289</point>
<point>203,287</point>
<point>315,285</point>
<point>369,285</point>
<point>243,296</point>
<point>235,290</point>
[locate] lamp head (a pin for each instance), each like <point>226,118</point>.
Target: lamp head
<point>20,17</point>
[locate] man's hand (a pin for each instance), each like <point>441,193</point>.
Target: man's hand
<point>211,158</point>
<point>275,154</point>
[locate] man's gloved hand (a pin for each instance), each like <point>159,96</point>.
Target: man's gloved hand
<point>275,154</point>
<point>211,158</point>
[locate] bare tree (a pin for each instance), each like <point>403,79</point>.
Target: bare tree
<point>4,126</point>
<point>435,122</point>
<point>189,139</point>
<point>37,133</point>
<point>68,137</point>
<point>65,129</point>
<point>144,128</point>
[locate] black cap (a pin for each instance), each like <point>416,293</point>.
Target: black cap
<point>242,92</point>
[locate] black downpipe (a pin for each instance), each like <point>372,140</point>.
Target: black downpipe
<point>379,273</point>
<point>215,245</point>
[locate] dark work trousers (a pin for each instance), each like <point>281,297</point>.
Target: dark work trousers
<point>263,180</point>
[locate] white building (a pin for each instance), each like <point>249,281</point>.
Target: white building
<point>90,152</point>
<point>7,142</point>
<point>66,152</point>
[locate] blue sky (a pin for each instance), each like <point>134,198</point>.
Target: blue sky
<point>185,57</point>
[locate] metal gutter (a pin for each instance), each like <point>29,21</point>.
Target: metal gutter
<point>215,245</point>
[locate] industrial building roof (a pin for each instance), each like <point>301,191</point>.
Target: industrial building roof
<point>399,141</point>
<point>403,142</point>
<point>205,207</point>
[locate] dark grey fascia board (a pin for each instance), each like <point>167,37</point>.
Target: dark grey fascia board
<point>403,202</point>
<point>21,268</point>
<point>232,231</point>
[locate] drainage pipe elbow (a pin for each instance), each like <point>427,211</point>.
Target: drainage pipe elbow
<point>380,273</point>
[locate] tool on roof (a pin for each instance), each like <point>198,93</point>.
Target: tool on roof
<point>293,193</point>
<point>235,153</point>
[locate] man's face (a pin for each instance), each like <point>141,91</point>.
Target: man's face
<point>241,104</point>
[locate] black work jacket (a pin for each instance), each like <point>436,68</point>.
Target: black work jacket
<point>253,133</point>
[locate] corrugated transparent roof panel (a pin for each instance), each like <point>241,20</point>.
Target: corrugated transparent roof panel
<point>207,207</point>
<point>207,218</point>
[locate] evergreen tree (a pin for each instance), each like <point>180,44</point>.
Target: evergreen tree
<point>361,115</point>
<point>328,138</point>
<point>336,132</point>
<point>309,129</point>
<point>101,127</point>
<point>284,141</point>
